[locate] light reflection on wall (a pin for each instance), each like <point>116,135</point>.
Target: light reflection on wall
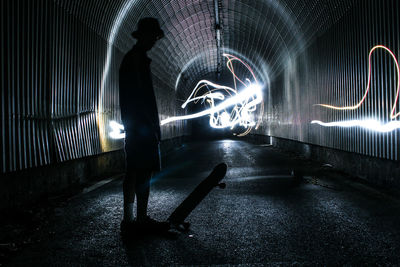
<point>101,117</point>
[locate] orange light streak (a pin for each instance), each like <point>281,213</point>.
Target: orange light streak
<point>392,114</point>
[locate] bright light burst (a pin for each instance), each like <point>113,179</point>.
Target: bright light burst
<point>117,130</point>
<point>228,107</point>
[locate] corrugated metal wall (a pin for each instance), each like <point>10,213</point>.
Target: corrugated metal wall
<point>59,79</point>
<point>50,74</point>
<point>334,70</point>
<point>60,60</point>
<point>25,129</point>
<point>50,85</point>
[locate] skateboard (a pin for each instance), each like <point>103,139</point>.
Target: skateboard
<point>177,219</point>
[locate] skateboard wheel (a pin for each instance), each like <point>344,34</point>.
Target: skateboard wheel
<point>186,225</point>
<point>222,185</point>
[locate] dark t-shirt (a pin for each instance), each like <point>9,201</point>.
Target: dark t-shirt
<point>139,108</point>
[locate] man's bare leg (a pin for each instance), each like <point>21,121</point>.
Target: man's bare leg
<point>128,188</point>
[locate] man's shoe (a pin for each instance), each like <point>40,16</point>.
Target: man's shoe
<point>127,228</point>
<point>153,225</point>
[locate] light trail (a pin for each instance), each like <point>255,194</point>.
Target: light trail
<point>369,124</point>
<point>374,125</point>
<point>244,96</point>
<point>242,105</point>
<point>392,114</point>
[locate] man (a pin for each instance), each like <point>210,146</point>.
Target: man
<point>140,118</point>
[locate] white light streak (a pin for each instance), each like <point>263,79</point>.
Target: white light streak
<point>252,93</point>
<point>225,119</point>
<point>374,125</point>
<point>241,104</point>
<point>117,130</point>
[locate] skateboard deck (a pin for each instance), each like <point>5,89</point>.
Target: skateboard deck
<point>178,216</point>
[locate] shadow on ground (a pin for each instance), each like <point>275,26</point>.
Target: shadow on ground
<point>264,216</point>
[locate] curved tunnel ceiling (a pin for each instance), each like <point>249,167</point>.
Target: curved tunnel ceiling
<point>265,32</point>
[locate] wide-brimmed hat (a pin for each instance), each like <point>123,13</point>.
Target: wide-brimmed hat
<point>148,26</point>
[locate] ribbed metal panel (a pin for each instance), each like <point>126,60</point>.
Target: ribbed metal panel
<point>60,58</point>
<point>51,72</point>
<point>25,135</point>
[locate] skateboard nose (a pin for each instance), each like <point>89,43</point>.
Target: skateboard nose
<point>221,169</point>
<point>222,185</point>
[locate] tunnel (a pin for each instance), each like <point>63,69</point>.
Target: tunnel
<point>299,98</point>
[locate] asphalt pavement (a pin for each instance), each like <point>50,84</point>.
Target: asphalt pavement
<point>266,215</point>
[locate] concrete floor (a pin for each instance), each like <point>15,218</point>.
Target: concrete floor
<point>263,217</point>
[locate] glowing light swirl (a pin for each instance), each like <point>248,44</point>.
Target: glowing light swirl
<point>252,96</point>
<point>392,114</point>
<point>243,104</point>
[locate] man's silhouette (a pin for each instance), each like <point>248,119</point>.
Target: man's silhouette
<point>140,118</point>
